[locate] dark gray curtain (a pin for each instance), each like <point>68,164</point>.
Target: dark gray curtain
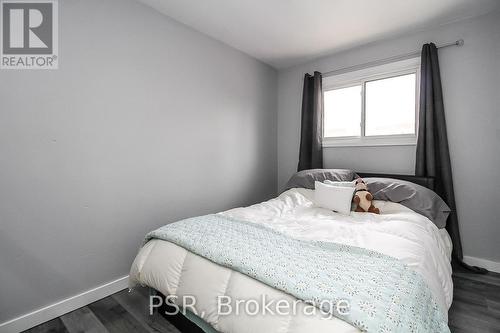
<point>433,156</point>
<point>311,127</point>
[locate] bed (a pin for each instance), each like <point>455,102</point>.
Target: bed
<point>272,256</point>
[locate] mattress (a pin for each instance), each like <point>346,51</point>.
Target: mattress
<point>397,232</point>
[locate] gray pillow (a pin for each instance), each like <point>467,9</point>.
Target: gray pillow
<point>418,198</point>
<point>306,178</point>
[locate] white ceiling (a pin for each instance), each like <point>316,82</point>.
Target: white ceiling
<point>284,33</point>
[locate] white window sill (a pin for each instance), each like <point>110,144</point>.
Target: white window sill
<point>373,141</point>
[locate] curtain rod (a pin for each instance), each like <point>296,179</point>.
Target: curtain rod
<point>384,61</point>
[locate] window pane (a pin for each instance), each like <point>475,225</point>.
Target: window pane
<point>342,112</point>
<point>390,106</point>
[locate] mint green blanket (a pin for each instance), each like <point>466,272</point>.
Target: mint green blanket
<point>383,294</point>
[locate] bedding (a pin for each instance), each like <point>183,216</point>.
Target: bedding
<point>306,178</point>
<point>342,184</point>
<point>336,198</point>
<point>418,198</point>
<point>398,233</point>
<point>447,244</point>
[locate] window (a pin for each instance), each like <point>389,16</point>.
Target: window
<point>373,106</point>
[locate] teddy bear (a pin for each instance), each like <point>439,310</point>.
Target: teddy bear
<point>363,198</point>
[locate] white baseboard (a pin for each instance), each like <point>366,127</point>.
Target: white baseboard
<point>55,310</point>
<point>490,265</point>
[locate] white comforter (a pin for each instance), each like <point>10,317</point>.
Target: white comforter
<point>397,231</point>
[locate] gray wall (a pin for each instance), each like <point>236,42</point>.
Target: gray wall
<point>145,122</point>
<point>471,81</point>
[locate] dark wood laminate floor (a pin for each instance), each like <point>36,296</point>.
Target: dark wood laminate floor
<point>475,309</point>
<point>476,303</point>
<point>123,312</point>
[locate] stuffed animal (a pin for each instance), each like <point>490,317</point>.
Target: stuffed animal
<point>363,198</point>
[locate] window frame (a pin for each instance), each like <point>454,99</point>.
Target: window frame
<point>361,77</point>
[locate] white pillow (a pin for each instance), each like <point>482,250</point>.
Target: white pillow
<point>336,198</point>
<point>342,184</point>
